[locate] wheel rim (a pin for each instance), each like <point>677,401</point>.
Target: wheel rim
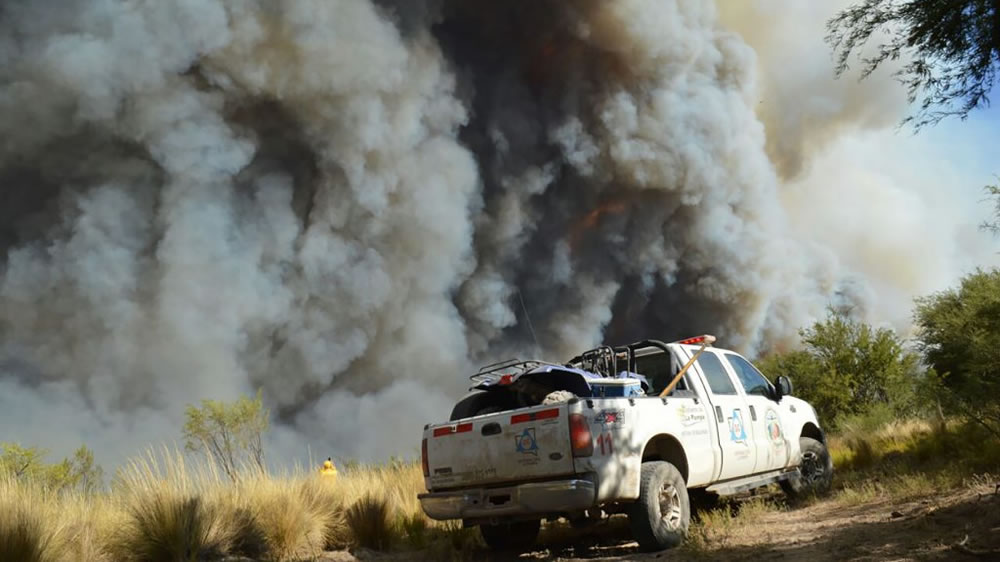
<point>813,471</point>
<point>670,506</point>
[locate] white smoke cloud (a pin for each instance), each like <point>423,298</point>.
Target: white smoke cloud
<point>893,211</point>
<point>346,203</point>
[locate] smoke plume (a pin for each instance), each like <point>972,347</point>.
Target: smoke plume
<point>348,204</point>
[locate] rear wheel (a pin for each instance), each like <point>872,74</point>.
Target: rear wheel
<point>660,517</point>
<point>514,536</point>
<point>815,473</point>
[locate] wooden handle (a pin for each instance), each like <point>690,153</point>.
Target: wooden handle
<point>683,370</point>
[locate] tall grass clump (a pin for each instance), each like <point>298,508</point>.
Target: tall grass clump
<point>381,506</point>
<point>169,513</point>
<point>30,530</point>
<point>89,520</point>
<point>281,518</point>
<point>368,519</point>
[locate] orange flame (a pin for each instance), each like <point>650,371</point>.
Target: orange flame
<point>592,219</point>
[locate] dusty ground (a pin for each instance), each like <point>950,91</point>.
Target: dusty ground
<point>927,528</point>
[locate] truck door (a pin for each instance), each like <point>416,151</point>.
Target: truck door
<point>773,449</point>
<point>732,418</point>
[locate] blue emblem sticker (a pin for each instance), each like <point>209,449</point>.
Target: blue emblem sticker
<point>737,431</point>
<point>526,442</point>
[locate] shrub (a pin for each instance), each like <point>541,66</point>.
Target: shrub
<point>848,367</point>
<point>959,335</point>
<point>28,464</point>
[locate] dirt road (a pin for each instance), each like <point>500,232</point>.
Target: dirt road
<point>931,527</point>
<point>927,528</point>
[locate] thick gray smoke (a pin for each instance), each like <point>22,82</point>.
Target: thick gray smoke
<point>350,203</point>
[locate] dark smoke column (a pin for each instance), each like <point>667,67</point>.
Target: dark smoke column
<point>345,203</point>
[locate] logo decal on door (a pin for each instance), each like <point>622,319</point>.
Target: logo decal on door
<point>737,431</point>
<point>690,415</point>
<point>774,428</point>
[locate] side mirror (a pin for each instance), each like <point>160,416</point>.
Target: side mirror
<point>784,386</point>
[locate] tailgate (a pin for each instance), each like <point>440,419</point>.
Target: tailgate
<point>515,445</point>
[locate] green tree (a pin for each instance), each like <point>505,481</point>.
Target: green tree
<point>27,464</point>
<point>88,476</point>
<point>993,225</point>
<point>950,49</point>
<point>959,336</point>
<point>847,367</point>
<point>229,433</point>
<point>813,382</point>
<point>23,463</point>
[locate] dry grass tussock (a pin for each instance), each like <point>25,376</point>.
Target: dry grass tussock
<point>736,522</point>
<point>25,531</point>
<point>162,508</point>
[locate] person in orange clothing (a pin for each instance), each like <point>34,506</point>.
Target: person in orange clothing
<point>328,470</point>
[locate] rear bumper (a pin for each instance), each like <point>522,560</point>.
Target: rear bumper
<point>558,496</point>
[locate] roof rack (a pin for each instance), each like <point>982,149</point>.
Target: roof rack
<point>494,371</point>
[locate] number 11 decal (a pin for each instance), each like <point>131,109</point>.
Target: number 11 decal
<point>607,447</point>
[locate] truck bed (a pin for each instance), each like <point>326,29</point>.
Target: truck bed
<point>517,445</point>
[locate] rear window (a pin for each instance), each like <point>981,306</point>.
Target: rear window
<point>659,370</point>
<point>715,374</point>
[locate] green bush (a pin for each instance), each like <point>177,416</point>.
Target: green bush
<point>848,367</point>
<point>27,464</point>
<point>959,335</point>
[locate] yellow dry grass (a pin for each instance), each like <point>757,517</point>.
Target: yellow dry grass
<point>160,507</point>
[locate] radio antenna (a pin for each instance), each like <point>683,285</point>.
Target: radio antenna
<point>531,328</point>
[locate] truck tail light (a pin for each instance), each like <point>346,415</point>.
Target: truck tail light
<point>423,458</point>
<point>579,436</point>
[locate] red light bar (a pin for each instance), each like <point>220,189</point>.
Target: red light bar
<point>706,339</point>
<point>448,430</point>
<point>543,415</point>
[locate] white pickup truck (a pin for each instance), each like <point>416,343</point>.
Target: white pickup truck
<point>632,429</point>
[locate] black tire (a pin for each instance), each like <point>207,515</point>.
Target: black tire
<point>660,517</point>
<point>511,536</point>
<point>815,473</point>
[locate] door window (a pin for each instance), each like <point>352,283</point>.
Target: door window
<point>715,374</point>
<point>753,381</point>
